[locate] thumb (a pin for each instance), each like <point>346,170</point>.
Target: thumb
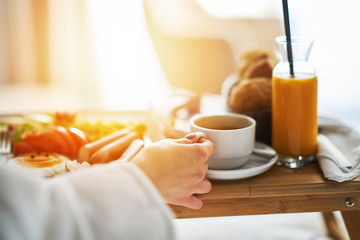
<point>195,136</point>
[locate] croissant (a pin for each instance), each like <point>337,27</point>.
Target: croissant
<point>251,94</point>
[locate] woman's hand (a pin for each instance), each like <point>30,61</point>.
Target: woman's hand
<point>177,168</point>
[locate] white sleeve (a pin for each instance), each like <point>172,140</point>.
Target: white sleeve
<point>114,201</point>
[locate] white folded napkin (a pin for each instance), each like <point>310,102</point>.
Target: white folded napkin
<point>344,139</point>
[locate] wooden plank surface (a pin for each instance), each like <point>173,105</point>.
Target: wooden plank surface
<point>280,190</point>
<point>228,190</point>
<point>280,175</point>
<point>271,205</point>
<point>305,189</point>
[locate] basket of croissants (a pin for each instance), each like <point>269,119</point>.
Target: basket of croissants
<point>248,90</point>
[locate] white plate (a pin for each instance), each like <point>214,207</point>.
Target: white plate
<point>255,166</point>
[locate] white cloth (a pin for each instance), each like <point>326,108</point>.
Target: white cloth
<point>347,141</point>
<point>116,201</point>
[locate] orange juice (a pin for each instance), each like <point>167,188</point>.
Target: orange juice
<point>294,114</point>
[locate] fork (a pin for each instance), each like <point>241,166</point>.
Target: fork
<point>5,144</point>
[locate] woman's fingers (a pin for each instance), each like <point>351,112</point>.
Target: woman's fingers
<point>207,146</point>
<point>193,202</point>
<point>205,167</point>
<point>183,140</point>
<point>203,187</point>
<point>195,136</point>
<point>177,168</point>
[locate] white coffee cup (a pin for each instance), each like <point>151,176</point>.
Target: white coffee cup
<point>232,134</point>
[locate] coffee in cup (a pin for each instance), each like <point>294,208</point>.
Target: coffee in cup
<point>233,135</point>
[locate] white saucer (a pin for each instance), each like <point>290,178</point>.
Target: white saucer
<point>255,166</point>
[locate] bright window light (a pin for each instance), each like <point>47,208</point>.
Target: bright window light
<point>129,71</point>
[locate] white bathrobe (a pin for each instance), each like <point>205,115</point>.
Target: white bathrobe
<point>114,201</point>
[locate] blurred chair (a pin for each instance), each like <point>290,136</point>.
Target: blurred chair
<point>197,50</point>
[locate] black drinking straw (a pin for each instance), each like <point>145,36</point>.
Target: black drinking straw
<point>288,36</point>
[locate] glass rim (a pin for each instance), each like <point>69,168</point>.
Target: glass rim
<point>295,40</point>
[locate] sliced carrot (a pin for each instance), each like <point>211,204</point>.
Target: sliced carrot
<point>68,140</point>
<point>43,141</point>
<point>79,136</point>
<point>58,140</point>
<point>23,147</point>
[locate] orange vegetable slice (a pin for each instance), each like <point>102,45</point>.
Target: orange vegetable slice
<point>68,140</point>
<point>79,137</point>
<point>58,140</point>
<point>43,141</point>
<point>23,147</point>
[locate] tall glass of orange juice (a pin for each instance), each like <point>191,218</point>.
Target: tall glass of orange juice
<point>294,105</point>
